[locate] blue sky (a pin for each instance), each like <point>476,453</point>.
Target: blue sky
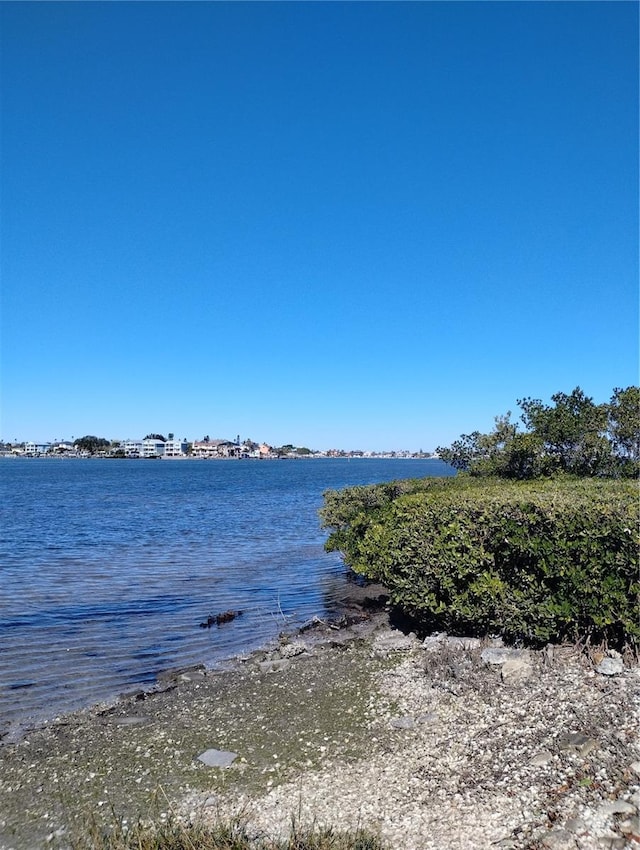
<point>365,225</point>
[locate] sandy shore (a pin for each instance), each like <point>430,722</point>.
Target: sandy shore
<point>431,745</point>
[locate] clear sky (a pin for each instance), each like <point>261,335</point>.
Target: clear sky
<point>354,225</point>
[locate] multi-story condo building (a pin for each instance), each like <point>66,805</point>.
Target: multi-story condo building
<point>175,448</point>
<point>132,448</point>
<point>152,447</point>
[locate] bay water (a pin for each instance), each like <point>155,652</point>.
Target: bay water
<point>107,567</point>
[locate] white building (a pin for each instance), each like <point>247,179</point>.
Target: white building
<point>132,448</point>
<point>176,448</point>
<point>152,447</point>
<point>36,448</point>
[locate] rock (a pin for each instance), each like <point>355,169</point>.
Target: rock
<point>194,676</point>
<point>273,666</point>
<point>290,650</point>
<point>217,758</point>
<point>393,642</point>
<point>500,654</point>
<point>631,828</point>
<point>614,842</point>
<point>466,643</point>
<point>543,757</point>
<point>429,717</point>
<point>616,807</point>
<point>559,839</point>
<point>403,723</point>
<point>220,619</point>
<point>610,667</point>
<point>578,742</point>
<point>434,642</point>
<point>184,674</point>
<point>441,640</point>
<point>515,671</point>
<point>635,767</point>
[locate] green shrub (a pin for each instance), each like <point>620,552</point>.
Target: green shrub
<point>534,561</point>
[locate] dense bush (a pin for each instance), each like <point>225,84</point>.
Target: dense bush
<point>534,561</point>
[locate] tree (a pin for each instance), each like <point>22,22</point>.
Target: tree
<point>283,451</point>
<point>155,437</point>
<point>624,422</point>
<point>462,453</point>
<point>573,435</point>
<point>624,428</point>
<point>572,432</point>
<point>91,444</point>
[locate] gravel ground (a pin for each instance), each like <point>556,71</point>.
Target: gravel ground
<point>468,754</point>
<point>436,744</point>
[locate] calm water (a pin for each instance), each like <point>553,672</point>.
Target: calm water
<point>108,567</point>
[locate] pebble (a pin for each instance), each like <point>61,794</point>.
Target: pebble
<point>393,641</point>
<point>616,807</point>
<point>559,839</point>
<point>631,828</point>
<point>291,650</point>
<point>515,671</point>
<point>501,654</point>
<point>610,667</point>
<point>403,723</point>
<point>217,758</point>
<point>582,744</point>
<point>543,757</point>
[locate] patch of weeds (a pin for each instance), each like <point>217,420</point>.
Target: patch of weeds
<point>224,835</point>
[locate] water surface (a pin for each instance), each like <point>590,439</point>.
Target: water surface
<point>108,567</point>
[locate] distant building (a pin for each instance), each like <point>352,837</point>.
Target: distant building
<point>152,447</point>
<point>132,448</point>
<point>175,448</point>
<point>33,449</point>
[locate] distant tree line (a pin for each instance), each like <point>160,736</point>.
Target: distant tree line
<point>572,435</point>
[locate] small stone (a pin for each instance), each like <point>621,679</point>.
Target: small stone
<point>610,667</point>
<point>578,742</point>
<point>559,839</point>
<point>543,757</point>
<point>500,654</point>
<point>616,807</point>
<point>403,723</point>
<point>217,758</point>
<point>635,767</point>
<point>434,641</point>
<point>193,676</point>
<point>290,650</point>
<point>393,642</point>
<point>466,643</point>
<point>631,828</point>
<point>515,671</point>
<point>429,717</point>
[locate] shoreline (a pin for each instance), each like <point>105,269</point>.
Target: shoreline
<point>352,723</point>
<point>354,590</point>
